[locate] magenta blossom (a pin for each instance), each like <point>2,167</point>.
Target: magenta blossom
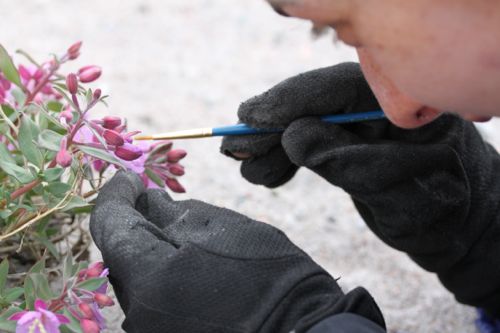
<point>39,321</point>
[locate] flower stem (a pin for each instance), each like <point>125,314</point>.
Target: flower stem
<point>45,79</point>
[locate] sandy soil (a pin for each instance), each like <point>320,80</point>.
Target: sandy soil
<point>176,64</point>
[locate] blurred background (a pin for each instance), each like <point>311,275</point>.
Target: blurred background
<point>176,64</point>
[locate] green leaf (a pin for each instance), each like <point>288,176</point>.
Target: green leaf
<point>28,132</point>
<point>51,119</point>
<point>54,106</point>
<point>41,286</point>
<point>13,294</point>
<point>10,311</point>
<point>49,245</point>
<point>81,265</point>
<point>154,177</point>
<point>50,140</point>
<point>7,326</point>
<point>7,67</point>
<point>92,284</point>
<point>58,189</point>
<point>65,95</point>
<point>5,154</point>
<point>74,324</point>
<point>29,292</point>
<point>19,96</point>
<point>38,267</point>
<point>4,270</point>
<point>52,174</point>
<point>76,202</point>
<point>21,174</point>
<point>100,154</point>
<point>67,267</point>
<point>5,213</point>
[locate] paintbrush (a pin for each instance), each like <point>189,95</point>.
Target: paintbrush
<point>244,129</point>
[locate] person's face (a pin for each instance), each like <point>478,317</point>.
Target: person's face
<point>421,57</point>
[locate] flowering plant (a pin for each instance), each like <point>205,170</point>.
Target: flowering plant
<point>54,157</point>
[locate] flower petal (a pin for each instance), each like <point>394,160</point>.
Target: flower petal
<point>16,316</point>
<point>40,304</point>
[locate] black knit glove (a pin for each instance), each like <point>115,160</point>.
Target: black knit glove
<point>433,192</point>
<point>325,91</point>
<point>187,266</point>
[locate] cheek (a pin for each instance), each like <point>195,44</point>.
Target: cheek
<point>448,64</point>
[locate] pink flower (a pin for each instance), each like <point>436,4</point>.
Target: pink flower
<point>89,73</point>
<point>39,321</point>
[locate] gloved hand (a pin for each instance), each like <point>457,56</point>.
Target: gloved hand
<point>433,192</point>
<point>187,266</point>
<point>325,91</point>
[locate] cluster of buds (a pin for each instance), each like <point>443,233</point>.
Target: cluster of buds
<point>84,305</point>
<point>87,305</point>
<point>163,162</point>
<point>116,137</point>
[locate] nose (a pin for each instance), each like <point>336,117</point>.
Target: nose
<point>402,110</point>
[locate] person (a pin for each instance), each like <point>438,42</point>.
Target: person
<point>425,181</point>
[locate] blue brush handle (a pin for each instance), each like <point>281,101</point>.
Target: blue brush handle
<point>244,129</point>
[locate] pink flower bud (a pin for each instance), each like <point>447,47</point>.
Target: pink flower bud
<point>176,155</point>
<point>82,273</point>
<point>86,311</point>
<point>176,169</point>
<point>24,72</point>
<point>4,83</point>
<point>103,300</point>
<point>97,94</point>
<point>74,50</point>
<point>174,185</point>
<point>111,122</point>
<point>38,74</point>
<point>89,73</point>
<point>72,83</point>
<point>113,138</point>
<point>63,157</point>
<point>47,89</point>
<point>89,326</point>
<point>95,269</point>
<point>67,115</point>
<point>99,165</point>
<point>128,152</point>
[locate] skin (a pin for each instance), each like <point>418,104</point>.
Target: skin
<point>420,57</point>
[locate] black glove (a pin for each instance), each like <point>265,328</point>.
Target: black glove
<point>325,91</point>
<point>433,192</point>
<point>187,266</point>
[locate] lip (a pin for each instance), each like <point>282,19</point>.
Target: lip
<point>476,118</point>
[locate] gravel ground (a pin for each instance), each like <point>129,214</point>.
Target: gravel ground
<point>177,64</point>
